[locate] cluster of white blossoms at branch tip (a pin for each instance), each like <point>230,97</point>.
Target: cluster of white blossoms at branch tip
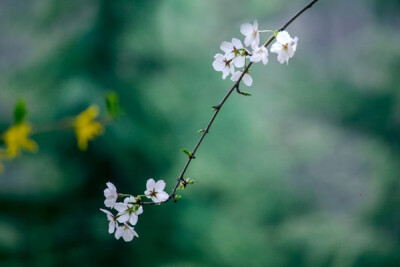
<point>235,55</point>
<point>129,210</point>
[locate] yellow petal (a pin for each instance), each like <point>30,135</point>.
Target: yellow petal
<point>85,128</point>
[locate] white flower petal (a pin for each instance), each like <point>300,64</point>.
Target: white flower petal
<point>127,235</point>
<point>255,25</point>
<point>283,37</point>
<point>226,72</point>
<point>226,47</point>
<point>265,59</point>
<point>133,219</point>
<point>246,29</point>
<point>236,76</point>
<point>256,57</point>
<point>129,200</point>
<point>248,40</point>
<point>150,184</point>
<point>276,47</point>
<point>124,217</point>
<point>121,207</point>
<point>109,203</point>
<point>283,57</point>
<point>293,43</point>
<point>139,211</point>
<point>160,185</point>
<point>111,227</point>
<point>111,186</point>
<point>256,40</point>
<point>238,62</point>
<point>219,65</point>
<point>119,232</point>
<point>247,80</point>
<point>162,196</point>
<point>147,193</point>
<point>236,43</point>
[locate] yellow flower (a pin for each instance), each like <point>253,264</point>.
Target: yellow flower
<point>16,138</point>
<point>85,128</point>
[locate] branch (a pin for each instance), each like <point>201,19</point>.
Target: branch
<point>218,107</point>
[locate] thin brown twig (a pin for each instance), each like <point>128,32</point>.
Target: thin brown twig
<point>218,107</point>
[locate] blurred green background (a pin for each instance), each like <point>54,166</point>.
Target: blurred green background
<point>303,173</point>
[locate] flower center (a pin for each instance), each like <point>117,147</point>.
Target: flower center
<point>285,47</point>
<point>153,193</point>
<point>235,51</point>
<point>227,62</point>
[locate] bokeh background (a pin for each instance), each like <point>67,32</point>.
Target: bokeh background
<point>303,173</point>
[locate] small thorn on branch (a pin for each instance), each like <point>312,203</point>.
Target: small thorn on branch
<point>217,107</point>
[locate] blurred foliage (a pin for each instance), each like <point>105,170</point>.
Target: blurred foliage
<point>303,173</point>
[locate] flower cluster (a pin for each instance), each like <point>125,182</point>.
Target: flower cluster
<point>129,210</point>
<point>17,137</point>
<point>235,55</point>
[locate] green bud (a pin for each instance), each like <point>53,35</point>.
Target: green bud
<point>184,150</point>
<point>113,106</point>
<point>176,197</point>
<point>20,111</point>
<point>201,131</point>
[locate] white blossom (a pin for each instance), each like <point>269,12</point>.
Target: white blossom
<point>127,232</point>
<point>127,211</point>
<point>111,195</point>
<point>224,64</point>
<point>235,51</point>
<point>155,191</point>
<point>251,33</point>
<point>284,46</point>
<point>246,78</point>
<point>260,54</point>
<point>111,219</point>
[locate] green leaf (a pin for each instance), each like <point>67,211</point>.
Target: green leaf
<point>20,111</point>
<point>193,181</point>
<point>184,150</point>
<point>176,197</point>
<point>113,106</point>
<point>246,94</point>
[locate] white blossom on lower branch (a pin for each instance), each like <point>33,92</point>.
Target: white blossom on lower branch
<point>224,64</point>
<point>235,51</point>
<point>127,232</point>
<point>155,191</point>
<point>111,195</point>
<point>128,211</point>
